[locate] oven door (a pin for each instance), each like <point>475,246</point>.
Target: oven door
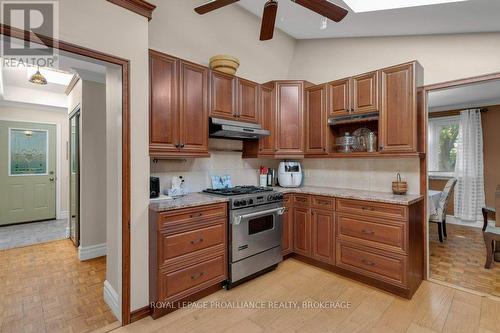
<point>255,230</point>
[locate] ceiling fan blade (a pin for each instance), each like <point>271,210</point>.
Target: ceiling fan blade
<point>268,20</point>
<point>213,5</point>
<point>324,8</point>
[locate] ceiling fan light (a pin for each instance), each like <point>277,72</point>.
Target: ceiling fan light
<point>324,23</point>
<point>38,78</point>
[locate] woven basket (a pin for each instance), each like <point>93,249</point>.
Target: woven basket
<point>399,187</point>
<point>224,63</point>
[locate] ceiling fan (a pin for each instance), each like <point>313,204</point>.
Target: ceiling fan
<point>323,7</point>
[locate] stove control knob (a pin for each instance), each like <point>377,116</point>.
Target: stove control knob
<point>237,203</point>
<point>250,201</point>
<point>243,202</point>
<point>271,197</point>
<point>279,196</point>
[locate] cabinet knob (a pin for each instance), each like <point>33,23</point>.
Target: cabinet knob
<point>182,145</point>
<point>177,146</point>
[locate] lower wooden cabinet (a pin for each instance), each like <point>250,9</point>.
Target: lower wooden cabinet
<point>323,235</point>
<point>302,231</point>
<point>188,253</point>
<point>287,230</point>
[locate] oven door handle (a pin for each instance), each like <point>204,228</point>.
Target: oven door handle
<point>237,219</point>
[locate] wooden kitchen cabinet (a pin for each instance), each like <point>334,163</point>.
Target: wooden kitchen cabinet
<point>164,114</point>
<point>267,145</point>
<point>234,98</point>
<point>187,254</point>
<point>178,107</point>
<point>399,113</point>
<point>323,234</point>
<point>316,121</point>
<point>355,95</point>
<point>302,231</point>
<point>223,95</point>
<point>290,115</point>
<point>248,101</point>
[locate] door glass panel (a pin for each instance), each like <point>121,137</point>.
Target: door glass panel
<point>260,224</point>
<point>28,152</point>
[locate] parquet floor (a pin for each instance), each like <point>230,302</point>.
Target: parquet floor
<point>434,308</point>
<point>460,260</point>
<point>45,288</point>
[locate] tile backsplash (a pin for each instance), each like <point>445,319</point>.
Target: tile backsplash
<point>363,174</point>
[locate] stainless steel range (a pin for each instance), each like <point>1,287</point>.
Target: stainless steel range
<point>255,217</point>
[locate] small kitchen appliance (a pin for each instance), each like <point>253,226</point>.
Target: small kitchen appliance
<point>290,174</point>
<point>154,187</point>
<point>255,226</point>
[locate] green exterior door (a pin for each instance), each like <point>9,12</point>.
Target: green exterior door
<point>27,172</point>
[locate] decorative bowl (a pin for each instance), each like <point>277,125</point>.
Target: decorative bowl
<point>224,63</point>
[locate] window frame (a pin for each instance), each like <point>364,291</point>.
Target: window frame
<point>433,138</point>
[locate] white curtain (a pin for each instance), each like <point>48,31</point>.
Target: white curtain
<point>469,169</point>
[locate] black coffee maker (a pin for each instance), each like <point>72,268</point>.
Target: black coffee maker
<point>154,187</point>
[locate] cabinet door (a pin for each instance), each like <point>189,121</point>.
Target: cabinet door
<point>163,104</point>
<point>193,108</point>
<point>366,92</point>
<point>323,235</point>
<point>287,235</point>
<point>248,101</point>
<point>290,118</point>
<point>339,100</point>
<point>302,231</point>
<point>316,122</point>
<point>398,116</point>
<point>222,95</point>
<point>267,145</point>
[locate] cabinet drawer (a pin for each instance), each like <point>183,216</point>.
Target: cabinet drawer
<point>287,199</point>
<point>322,202</point>
<point>186,281</point>
<point>371,232</point>
<point>193,214</point>
<point>191,241</point>
<point>302,200</point>
<point>375,209</point>
<point>390,268</point>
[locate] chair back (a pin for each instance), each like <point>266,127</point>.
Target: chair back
<point>445,199</point>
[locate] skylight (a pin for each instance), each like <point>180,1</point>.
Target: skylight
<point>52,76</point>
<point>359,6</point>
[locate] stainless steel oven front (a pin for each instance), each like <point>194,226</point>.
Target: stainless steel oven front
<point>255,239</point>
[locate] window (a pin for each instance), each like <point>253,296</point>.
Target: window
<point>443,137</point>
<point>28,152</point>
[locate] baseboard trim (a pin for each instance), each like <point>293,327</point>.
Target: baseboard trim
<point>91,252</point>
<point>112,300</point>
<point>140,313</point>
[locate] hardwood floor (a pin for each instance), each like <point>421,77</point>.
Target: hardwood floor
<point>459,260</point>
<point>45,288</point>
<point>434,308</point>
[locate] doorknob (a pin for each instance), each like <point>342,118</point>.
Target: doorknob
<point>52,179</point>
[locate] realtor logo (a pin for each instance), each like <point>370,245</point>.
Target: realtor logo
<point>37,18</point>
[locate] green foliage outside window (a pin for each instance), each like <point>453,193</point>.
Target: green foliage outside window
<point>448,148</point>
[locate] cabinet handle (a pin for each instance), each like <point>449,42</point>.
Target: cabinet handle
<point>368,232</point>
<point>196,241</point>
<point>323,202</point>
<point>196,215</point>
<point>182,145</point>
<point>301,199</point>
<point>368,208</point>
<point>177,146</point>
<point>197,276</point>
<point>381,147</point>
<point>368,262</point>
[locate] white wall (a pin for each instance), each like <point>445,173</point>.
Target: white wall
<point>45,114</point>
<point>177,30</point>
<point>444,57</point>
<point>103,26</point>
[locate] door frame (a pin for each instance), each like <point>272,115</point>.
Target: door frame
<point>126,165</point>
<point>424,180</point>
<point>58,157</point>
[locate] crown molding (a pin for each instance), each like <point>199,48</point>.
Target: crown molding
<point>140,7</point>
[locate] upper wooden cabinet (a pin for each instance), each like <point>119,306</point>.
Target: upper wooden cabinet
<point>222,95</point>
<point>267,145</point>
<point>178,107</point>
<point>234,98</point>
<point>359,94</point>
<point>248,101</point>
<point>316,121</point>
<point>399,113</point>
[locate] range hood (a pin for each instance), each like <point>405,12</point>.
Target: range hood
<point>231,129</point>
<point>352,118</point>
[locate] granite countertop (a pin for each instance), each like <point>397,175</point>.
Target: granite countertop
<point>189,200</point>
<point>385,197</point>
